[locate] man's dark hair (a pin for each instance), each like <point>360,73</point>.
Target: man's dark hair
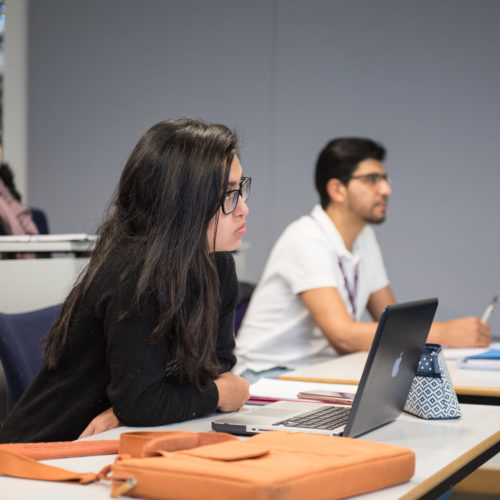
<point>340,158</point>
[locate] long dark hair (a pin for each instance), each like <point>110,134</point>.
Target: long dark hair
<point>170,189</point>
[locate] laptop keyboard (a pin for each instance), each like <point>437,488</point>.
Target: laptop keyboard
<point>329,417</point>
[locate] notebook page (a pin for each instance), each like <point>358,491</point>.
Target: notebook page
<point>488,360</point>
<point>454,353</point>
<point>271,388</point>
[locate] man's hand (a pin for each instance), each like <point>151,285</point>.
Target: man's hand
<point>233,392</point>
<point>461,332</point>
<point>103,422</point>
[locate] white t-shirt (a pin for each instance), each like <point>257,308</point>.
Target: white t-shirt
<point>277,329</point>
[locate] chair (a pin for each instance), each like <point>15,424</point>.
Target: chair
<point>42,224</point>
<point>245,290</point>
<point>40,220</point>
<point>20,348</point>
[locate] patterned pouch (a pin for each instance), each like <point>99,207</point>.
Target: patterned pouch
<point>431,394</point>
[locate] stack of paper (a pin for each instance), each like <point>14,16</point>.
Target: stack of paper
<point>269,389</point>
<point>456,353</point>
<point>488,360</point>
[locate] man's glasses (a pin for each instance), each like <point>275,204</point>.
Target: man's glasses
<point>230,199</point>
<point>371,179</point>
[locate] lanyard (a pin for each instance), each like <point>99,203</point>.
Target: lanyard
<point>351,292</point>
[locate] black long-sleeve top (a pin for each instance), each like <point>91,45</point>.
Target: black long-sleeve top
<point>107,362</point>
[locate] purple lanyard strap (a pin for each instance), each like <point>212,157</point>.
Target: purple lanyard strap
<point>351,292</point>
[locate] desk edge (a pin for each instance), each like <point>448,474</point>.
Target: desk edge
<point>453,467</point>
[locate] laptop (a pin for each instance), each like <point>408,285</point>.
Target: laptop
<point>384,386</point>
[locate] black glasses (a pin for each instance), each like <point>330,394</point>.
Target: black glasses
<point>371,179</point>
<point>230,199</point>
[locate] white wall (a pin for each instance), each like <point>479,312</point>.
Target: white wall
<point>421,77</point>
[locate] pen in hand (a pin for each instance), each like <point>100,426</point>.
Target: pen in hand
<point>489,309</point>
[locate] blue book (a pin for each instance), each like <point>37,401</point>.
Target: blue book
<point>488,360</point>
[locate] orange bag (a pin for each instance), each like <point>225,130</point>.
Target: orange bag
<point>273,465</point>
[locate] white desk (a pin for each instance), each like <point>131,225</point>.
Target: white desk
<point>47,243</point>
<point>442,448</point>
<point>29,284</point>
<point>347,369</point>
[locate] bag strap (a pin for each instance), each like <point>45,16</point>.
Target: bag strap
<point>148,443</point>
<point>14,465</point>
<point>15,462</point>
<point>175,441</point>
<point>63,449</point>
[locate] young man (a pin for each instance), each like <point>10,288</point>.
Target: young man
<point>327,268</point>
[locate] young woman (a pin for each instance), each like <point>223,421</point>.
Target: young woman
<point>15,218</point>
<point>148,329</point>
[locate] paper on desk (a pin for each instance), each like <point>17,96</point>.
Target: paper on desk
<point>453,354</point>
<point>270,388</point>
<point>488,360</point>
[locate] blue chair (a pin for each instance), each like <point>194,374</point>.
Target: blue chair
<point>20,348</point>
<point>40,220</point>
<point>245,290</point>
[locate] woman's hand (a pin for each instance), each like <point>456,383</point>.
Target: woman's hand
<point>233,392</point>
<point>103,422</point>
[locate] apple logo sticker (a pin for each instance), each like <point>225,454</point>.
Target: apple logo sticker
<point>395,368</point>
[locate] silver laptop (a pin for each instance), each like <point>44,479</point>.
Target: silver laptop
<point>387,376</point>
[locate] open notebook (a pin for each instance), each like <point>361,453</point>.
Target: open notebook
<point>390,367</point>
<point>272,389</point>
